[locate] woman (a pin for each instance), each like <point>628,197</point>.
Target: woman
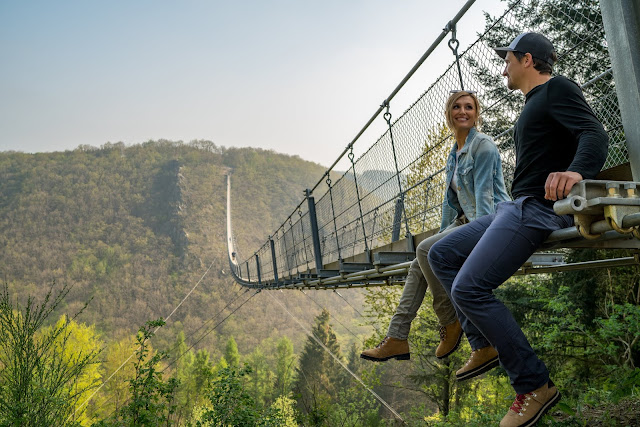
<point>475,185</point>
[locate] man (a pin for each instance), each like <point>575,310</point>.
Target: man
<point>559,142</point>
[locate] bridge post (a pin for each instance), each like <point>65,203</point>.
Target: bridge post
<point>397,220</point>
<point>621,20</point>
<point>248,272</point>
<point>315,236</point>
<point>287,265</point>
<point>258,269</point>
<point>273,258</point>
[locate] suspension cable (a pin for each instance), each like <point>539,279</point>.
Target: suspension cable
<point>415,68</point>
<point>373,228</point>
<point>337,320</point>
<point>387,117</point>
<point>431,48</point>
<point>373,325</point>
<point>454,43</point>
<point>212,329</point>
<point>348,303</point>
<point>337,359</point>
<point>355,181</point>
<point>333,214</point>
<point>286,249</point>
<point>186,296</point>
<point>211,319</point>
<point>132,354</point>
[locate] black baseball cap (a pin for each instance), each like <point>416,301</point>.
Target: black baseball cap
<point>534,43</point>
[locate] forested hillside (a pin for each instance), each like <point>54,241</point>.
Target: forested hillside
<point>132,229</point>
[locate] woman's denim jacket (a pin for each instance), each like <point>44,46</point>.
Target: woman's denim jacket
<point>480,180</point>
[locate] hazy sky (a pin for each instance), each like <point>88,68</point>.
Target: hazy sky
<point>298,77</point>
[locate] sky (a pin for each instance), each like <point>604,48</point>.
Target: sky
<point>294,76</point>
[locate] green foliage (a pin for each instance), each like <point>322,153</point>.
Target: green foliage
<point>44,372</point>
<point>354,405</point>
<point>115,392</point>
<point>79,340</point>
<point>151,402</point>
<point>232,405</point>
<point>261,379</point>
<point>285,367</point>
<point>319,375</point>
<point>134,227</point>
<point>200,373</point>
<point>286,406</point>
<point>194,373</point>
<point>619,333</point>
<point>231,354</point>
<point>585,326</point>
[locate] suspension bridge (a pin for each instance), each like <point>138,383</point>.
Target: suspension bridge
<point>360,227</point>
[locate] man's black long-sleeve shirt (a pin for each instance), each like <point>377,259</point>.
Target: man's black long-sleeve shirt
<point>556,132</point>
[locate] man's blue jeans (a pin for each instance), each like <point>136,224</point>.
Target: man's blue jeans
<point>474,260</point>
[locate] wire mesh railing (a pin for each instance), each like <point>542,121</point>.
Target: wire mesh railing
<point>397,185</point>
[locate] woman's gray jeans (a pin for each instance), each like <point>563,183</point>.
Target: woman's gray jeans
<point>419,278</point>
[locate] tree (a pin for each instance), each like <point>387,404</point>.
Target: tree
<point>82,339</point>
<point>585,324</point>
<point>151,401</point>
<point>356,406</point>
<point>286,406</point>
<point>319,375</point>
<point>43,375</point>
<point>232,405</point>
<point>183,365</point>
<point>201,374</point>
<point>261,378</point>
<point>115,392</point>
<point>231,354</point>
<point>285,367</point>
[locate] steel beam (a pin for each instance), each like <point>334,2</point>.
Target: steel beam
<point>315,236</point>
<point>258,269</point>
<point>621,20</point>
<point>397,220</point>
<point>273,258</point>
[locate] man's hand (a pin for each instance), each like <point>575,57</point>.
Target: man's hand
<point>559,184</point>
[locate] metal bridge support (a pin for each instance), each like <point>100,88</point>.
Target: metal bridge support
<point>273,258</point>
<point>397,220</point>
<point>315,236</point>
<point>621,20</point>
<point>258,269</point>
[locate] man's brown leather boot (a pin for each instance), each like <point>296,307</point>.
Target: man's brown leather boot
<point>481,360</point>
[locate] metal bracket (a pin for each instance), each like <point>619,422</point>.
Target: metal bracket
<point>583,224</point>
<point>591,200</point>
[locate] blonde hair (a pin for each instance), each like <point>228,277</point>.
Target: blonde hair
<point>452,100</point>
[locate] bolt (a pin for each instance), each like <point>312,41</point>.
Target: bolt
<point>631,189</point>
<point>613,189</point>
